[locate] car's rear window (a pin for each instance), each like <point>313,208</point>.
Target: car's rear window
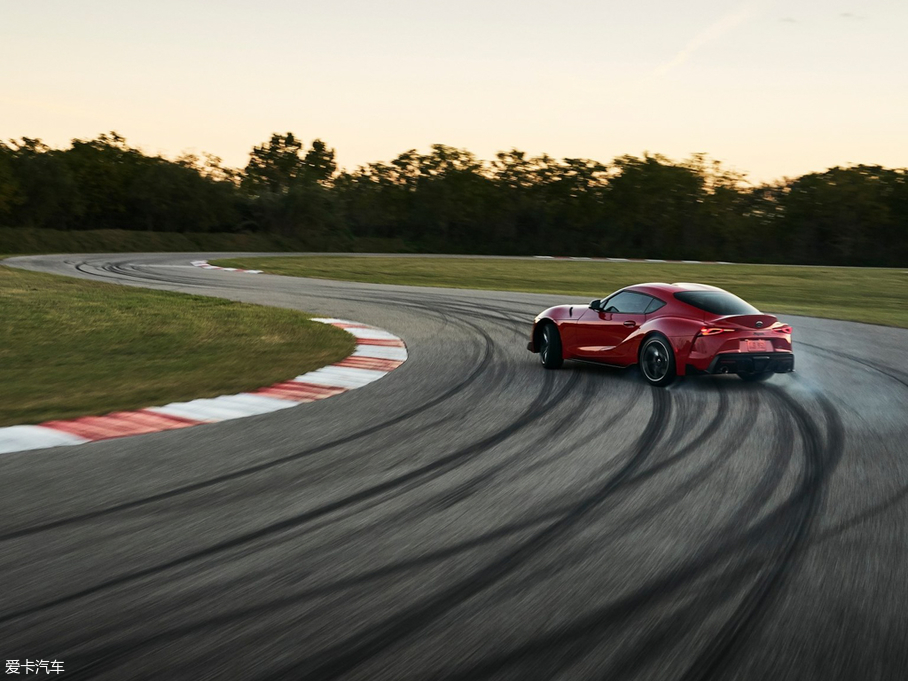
<point>716,302</point>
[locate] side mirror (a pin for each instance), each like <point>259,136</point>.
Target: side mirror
<point>596,305</point>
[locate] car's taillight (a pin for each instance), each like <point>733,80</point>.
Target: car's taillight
<point>782,329</point>
<point>713,331</point>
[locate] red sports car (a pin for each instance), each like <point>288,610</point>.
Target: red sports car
<point>668,330</point>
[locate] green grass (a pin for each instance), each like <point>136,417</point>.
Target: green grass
<point>23,240</point>
<point>70,348</point>
<point>877,296</point>
<point>26,240</point>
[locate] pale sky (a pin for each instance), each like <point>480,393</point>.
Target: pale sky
<point>768,87</point>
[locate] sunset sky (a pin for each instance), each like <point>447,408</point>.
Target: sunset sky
<point>769,88</point>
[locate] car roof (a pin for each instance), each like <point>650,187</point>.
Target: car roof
<point>656,287</point>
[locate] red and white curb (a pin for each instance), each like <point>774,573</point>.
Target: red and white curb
<point>377,353</point>
<point>204,265</point>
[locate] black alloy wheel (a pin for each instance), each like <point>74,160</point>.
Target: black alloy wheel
<point>657,361</point>
<point>550,347</point>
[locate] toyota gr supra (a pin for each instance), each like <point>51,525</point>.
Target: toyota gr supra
<point>668,330</point>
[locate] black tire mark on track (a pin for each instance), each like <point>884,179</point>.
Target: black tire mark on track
<point>482,367</point>
<point>124,649</point>
<point>349,654</point>
<point>620,528</point>
<point>772,556</point>
<point>820,459</point>
<point>795,514</point>
<point>428,471</point>
<point>887,371</point>
<point>100,656</point>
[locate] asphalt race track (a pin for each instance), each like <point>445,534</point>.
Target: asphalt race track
<point>473,516</point>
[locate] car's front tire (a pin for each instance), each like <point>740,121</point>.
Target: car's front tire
<point>657,361</point>
<point>550,347</point>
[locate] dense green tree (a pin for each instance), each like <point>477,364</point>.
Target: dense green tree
<point>842,216</point>
<point>47,194</point>
<point>656,206</point>
<point>319,164</point>
<point>274,165</point>
<point>10,190</point>
<point>290,191</point>
<point>448,200</point>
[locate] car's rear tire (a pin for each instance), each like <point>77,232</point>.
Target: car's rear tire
<point>657,361</point>
<point>754,378</point>
<point>550,347</point>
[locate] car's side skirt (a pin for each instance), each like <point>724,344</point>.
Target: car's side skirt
<point>601,364</point>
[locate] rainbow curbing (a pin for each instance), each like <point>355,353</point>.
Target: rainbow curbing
<point>377,353</point>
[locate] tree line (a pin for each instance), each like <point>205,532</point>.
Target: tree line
<point>448,200</point>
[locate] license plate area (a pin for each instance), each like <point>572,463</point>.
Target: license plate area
<point>756,346</point>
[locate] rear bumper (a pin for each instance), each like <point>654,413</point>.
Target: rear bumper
<point>747,363</point>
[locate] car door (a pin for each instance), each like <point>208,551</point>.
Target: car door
<point>600,333</point>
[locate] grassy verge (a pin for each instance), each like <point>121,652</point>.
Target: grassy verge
<point>71,348</point>
<point>876,296</point>
<point>23,241</point>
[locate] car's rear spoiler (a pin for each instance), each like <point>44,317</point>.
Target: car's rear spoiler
<point>750,321</point>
